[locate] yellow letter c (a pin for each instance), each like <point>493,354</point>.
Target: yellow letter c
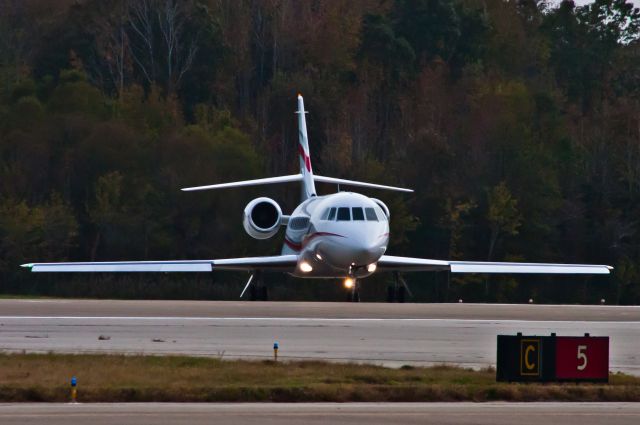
<point>529,366</point>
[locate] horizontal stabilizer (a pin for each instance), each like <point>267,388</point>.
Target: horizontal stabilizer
<point>323,179</point>
<point>294,178</point>
<point>256,182</point>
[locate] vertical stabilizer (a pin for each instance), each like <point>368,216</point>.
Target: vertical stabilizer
<point>308,187</point>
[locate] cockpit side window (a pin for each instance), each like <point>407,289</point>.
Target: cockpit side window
<point>381,213</point>
<point>332,214</point>
<point>344,214</point>
<point>371,214</point>
<point>358,214</point>
<point>325,214</point>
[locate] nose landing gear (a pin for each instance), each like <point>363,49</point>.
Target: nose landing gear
<point>397,292</point>
<point>353,286</point>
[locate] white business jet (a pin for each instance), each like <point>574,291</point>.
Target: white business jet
<point>343,235</point>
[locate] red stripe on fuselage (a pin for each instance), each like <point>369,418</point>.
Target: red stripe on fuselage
<point>315,235</point>
<point>307,239</point>
<point>292,245</point>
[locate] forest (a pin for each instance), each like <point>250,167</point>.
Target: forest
<point>516,122</point>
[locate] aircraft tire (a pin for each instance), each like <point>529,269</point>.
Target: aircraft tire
<point>253,293</point>
<point>391,294</point>
<point>356,297</point>
<point>401,294</point>
<point>264,294</point>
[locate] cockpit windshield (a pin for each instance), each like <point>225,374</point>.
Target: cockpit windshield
<point>353,213</point>
<point>344,214</point>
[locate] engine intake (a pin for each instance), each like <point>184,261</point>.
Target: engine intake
<point>262,218</point>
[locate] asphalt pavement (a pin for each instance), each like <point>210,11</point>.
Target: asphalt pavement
<point>386,334</point>
<point>322,413</point>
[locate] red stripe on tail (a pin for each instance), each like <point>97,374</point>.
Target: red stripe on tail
<point>305,157</point>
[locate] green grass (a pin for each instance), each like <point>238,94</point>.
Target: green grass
<point>108,378</point>
<point>24,297</point>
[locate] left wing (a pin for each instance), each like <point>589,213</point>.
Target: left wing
<point>285,263</point>
<point>409,264</point>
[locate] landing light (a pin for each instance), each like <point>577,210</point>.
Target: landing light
<point>348,283</point>
<point>372,267</point>
<point>305,267</point>
<point>319,257</point>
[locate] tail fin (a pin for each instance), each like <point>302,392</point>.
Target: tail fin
<point>308,187</point>
<point>306,173</point>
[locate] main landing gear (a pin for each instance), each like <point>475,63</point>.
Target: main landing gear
<point>258,291</point>
<point>397,292</point>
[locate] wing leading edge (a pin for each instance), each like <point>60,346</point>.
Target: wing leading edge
<point>285,263</point>
<point>408,264</point>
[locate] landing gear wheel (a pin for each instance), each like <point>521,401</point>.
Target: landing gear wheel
<point>264,293</point>
<point>398,291</point>
<point>253,293</point>
<point>354,294</point>
<point>391,294</point>
<point>400,294</point>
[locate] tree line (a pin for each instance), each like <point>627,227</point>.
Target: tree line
<point>516,122</point>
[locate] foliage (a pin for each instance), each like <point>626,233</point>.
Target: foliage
<point>517,122</point>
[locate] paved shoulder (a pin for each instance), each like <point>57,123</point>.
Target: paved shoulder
<point>146,308</point>
<point>324,413</point>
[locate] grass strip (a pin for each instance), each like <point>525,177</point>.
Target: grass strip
<point>117,378</point>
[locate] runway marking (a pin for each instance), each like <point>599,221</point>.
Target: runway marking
<point>310,319</point>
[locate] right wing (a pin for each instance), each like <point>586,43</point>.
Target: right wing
<point>390,263</point>
<point>409,264</point>
<point>281,263</point>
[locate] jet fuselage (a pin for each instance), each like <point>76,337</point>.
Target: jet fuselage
<point>339,235</point>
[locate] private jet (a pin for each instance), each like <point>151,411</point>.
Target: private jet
<point>343,235</point>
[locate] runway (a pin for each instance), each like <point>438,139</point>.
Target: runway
<point>323,413</point>
<point>386,334</point>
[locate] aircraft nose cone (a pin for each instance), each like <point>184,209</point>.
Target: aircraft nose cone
<point>344,256</point>
<point>365,256</point>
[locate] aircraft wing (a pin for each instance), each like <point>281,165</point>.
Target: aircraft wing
<point>390,263</point>
<point>283,263</point>
<point>408,264</point>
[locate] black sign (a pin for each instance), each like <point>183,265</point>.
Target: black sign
<point>525,358</point>
<point>550,358</point>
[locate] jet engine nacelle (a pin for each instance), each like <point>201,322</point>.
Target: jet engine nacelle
<point>262,218</point>
<point>384,208</point>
